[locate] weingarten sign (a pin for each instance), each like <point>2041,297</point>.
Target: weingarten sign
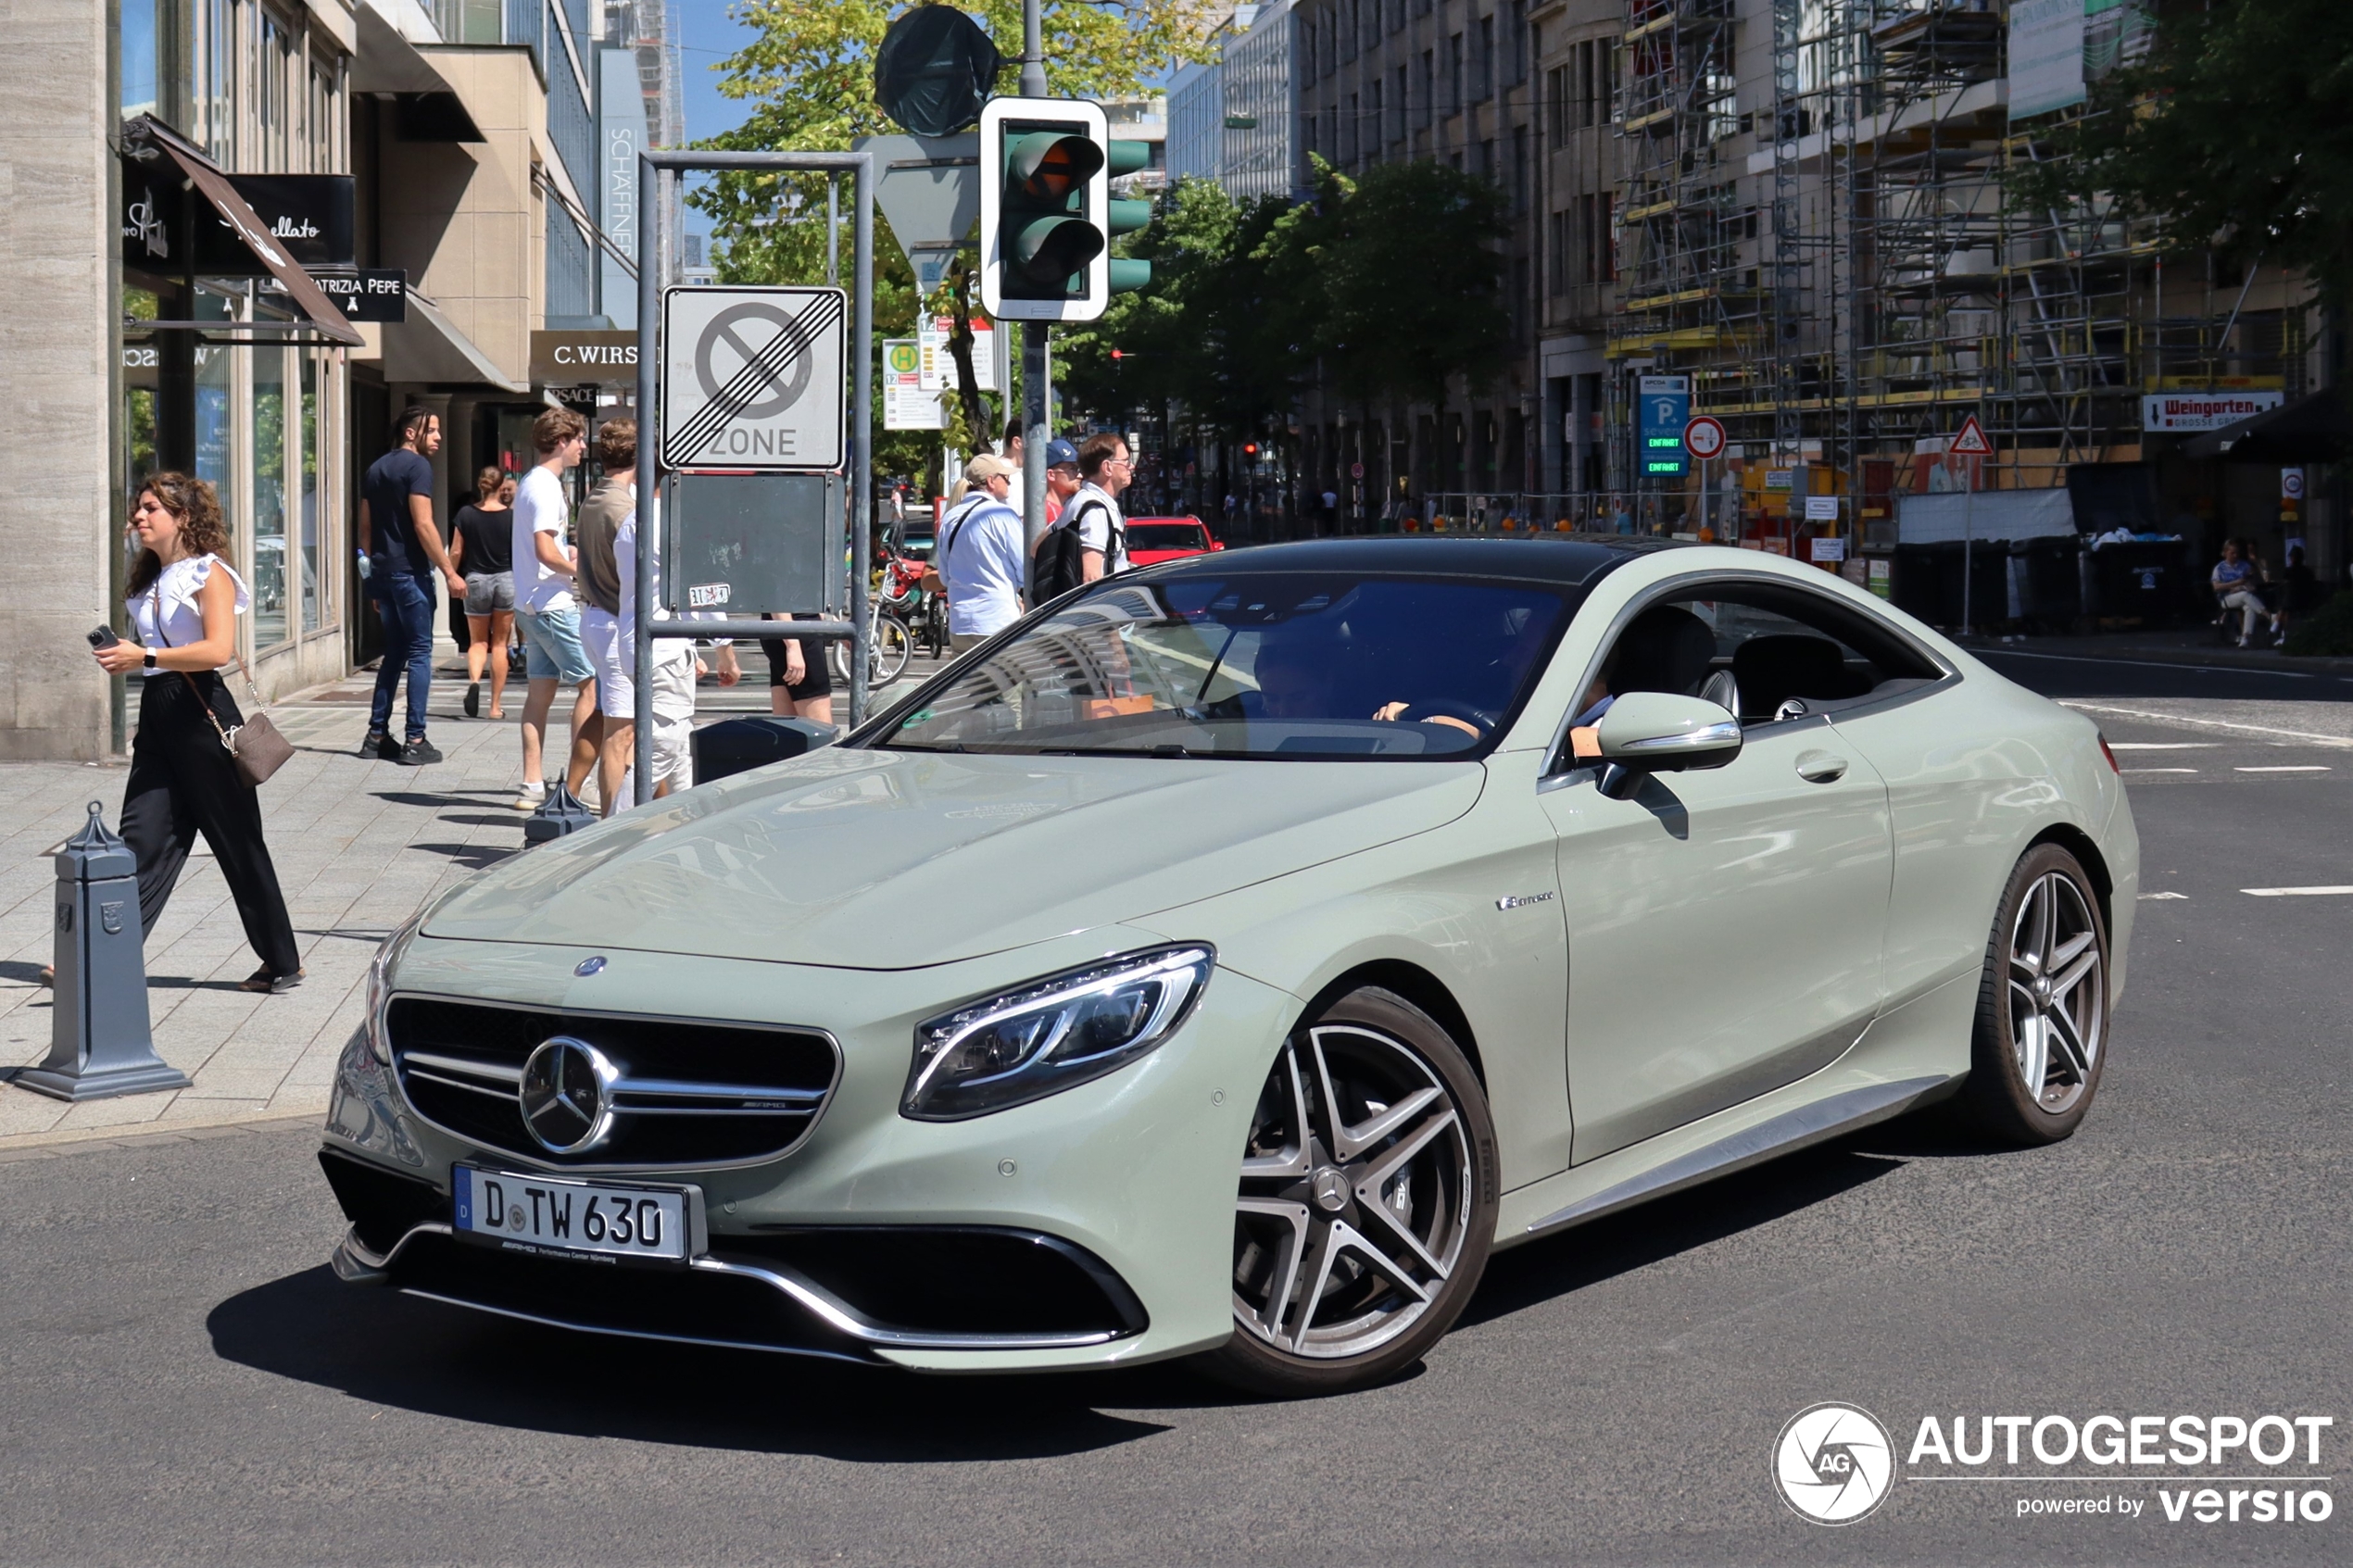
<point>2165,411</point>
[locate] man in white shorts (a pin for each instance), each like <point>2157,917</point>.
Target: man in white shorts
<point>545,610</point>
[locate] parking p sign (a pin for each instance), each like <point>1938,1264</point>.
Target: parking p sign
<point>1662,407</point>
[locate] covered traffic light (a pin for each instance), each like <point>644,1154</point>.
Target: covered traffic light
<point>1046,213</point>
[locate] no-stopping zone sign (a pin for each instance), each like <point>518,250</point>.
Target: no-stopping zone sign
<point>751,378</point>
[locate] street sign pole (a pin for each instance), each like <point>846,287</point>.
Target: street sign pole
<point>654,169</point>
<point>1035,391</point>
<point>1971,445</point>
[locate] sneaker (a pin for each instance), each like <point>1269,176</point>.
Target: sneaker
<point>379,743</point>
<point>473,699</point>
<point>532,796</point>
<point>417,752</point>
<point>262,982</point>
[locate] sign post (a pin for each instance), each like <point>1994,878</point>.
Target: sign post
<point>1703,439</point>
<point>753,379</point>
<point>1970,444</point>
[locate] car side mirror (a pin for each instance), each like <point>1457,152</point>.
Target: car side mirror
<point>1658,733</point>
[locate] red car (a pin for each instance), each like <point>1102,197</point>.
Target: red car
<point>1154,539</point>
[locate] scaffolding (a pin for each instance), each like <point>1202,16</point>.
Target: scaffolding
<point>1843,273</point>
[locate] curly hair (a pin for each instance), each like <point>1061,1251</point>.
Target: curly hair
<point>201,528</point>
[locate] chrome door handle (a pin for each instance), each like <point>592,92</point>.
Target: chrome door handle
<point>1820,767</point>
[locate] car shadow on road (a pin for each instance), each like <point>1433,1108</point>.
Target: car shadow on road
<point>1651,1232</point>
<point>393,1349</point>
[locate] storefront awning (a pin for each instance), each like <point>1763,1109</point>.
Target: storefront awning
<point>2315,429</point>
<point>427,348</point>
<point>389,66</point>
<point>146,139</point>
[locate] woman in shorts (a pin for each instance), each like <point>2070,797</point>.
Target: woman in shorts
<point>800,680</point>
<point>483,549</point>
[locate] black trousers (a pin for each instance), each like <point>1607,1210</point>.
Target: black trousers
<point>182,783</point>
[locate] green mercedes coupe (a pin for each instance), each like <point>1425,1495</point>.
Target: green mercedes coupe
<point>1223,961</point>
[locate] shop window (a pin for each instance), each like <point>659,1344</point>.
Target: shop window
<point>270,581</point>
<point>216,402</point>
<point>312,522</point>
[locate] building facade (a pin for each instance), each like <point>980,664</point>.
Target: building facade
<point>210,197</point>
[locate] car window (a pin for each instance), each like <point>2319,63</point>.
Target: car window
<point>1322,665</point>
<point>1770,652</point>
<point>1167,536</point>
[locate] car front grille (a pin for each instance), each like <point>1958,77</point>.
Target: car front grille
<point>691,1092</point>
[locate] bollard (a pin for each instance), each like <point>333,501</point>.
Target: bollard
<point>99,1043</point>
<point>561,813</point>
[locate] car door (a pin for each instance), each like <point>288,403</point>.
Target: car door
<point>1725,926</point>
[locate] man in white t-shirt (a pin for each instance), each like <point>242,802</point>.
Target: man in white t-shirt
<point>545,612</point>
<point>1104,468</point>
<point>981,559</point>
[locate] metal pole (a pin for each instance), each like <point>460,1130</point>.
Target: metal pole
<point>641,773</point>
<point>862,456</point>
<point>832,230</point>
<point>1969,541</point>
<point>1034,373</point>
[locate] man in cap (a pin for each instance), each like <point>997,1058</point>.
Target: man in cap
<point>1062,477</point>
<point>980,556</point>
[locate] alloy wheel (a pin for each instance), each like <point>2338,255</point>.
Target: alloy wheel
<point>1355,1199</point>
<point>2057,992</point>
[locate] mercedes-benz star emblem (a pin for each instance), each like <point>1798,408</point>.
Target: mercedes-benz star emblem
<point>566,1095</point>
<point>1330,1189</point>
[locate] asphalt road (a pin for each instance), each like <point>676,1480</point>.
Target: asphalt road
<point>184,1380</point>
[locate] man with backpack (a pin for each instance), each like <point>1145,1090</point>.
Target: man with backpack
<point>980,555</point>
<point>1090,541</point>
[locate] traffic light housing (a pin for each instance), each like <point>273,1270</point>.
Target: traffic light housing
<point>1046,214</point>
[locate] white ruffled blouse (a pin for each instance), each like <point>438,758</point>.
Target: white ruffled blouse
<point>175,594</point>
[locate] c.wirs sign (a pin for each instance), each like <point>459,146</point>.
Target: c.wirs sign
<point>751,378</point>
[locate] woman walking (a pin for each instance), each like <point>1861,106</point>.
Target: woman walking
<point>184,600</point>
<point>483,550</point>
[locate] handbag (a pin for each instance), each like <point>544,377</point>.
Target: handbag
<point>255,747</point>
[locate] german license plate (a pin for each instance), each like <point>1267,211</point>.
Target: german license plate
<point>595,1222</point>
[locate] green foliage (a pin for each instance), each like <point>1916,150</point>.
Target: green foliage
<point>1391,282</point>
<point>2236,131</point>
<point>2327,632</point>
<point>809,76</point>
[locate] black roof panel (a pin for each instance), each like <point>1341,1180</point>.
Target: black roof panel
<point>1574,559</point>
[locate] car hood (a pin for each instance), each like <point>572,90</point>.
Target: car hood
<point>881,859</point>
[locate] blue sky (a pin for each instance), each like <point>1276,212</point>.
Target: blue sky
<point>709,35</point>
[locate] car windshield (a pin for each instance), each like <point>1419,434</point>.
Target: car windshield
<point>1292,665</point>
<point>1167,536</point>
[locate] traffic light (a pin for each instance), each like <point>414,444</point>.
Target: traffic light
<point>1046,213</point>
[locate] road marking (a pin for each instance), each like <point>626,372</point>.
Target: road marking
<point>2287,768</point>
<point>2163,745</point>
<point>2154,897</point>
<point>2297,892</point>
<point>2204,723</point>
<point>2156,769</point>
<point>2151,664</point>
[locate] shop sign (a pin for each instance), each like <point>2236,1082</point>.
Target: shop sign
<point>155,217</point>
<point>2163,411</point>
<point>369,295</point>
<point>309,213</point>
<point>574,359</point>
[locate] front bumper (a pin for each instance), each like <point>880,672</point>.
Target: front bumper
<point>1090,1228</point>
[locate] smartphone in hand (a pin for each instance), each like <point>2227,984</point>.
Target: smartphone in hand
<point>103,638</point>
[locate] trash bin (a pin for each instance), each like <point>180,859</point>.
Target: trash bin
<point>735,746</point>
<point>2046,581</point>
<point>2145,579</point>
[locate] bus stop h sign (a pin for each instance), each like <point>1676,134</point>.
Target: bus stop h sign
<point>752,379</point>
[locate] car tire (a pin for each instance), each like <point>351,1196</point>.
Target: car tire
<point>1357,1244</point>
<point>2040,1037</point>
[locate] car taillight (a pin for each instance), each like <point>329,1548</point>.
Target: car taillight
<point>2110,756</point>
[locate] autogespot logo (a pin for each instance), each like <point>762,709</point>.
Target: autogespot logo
<point>1835,1464</point>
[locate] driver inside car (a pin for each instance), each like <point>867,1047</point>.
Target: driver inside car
<point>1666,649</point>
<point>1296,680</point>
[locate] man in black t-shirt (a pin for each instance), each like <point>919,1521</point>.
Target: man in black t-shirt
<point>404,551</point>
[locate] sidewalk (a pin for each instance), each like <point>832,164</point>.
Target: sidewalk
<point>2172,644</point>
<point>359,846</point>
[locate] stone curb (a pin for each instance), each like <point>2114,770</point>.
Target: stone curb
<point>57,1143</point>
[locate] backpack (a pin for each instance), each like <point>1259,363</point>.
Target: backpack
<point>1061,562</point>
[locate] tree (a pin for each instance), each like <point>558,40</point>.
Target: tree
<point>809,76</point>
<point>1412,282</point>
<point>2236,130</point>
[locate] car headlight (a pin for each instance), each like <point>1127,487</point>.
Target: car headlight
<point>380,987</point>
<point>1053,1032</point>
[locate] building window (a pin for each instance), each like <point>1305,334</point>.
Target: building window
<point>1457,68</point>
<point>1427,109</point>
<point>1485,58</point>
<point>1557,254</point>
<point>1519,169</point>
<point>267,487</point>
<point>1397,114</point>
<point>1585,83</point>
<point>1554,111</point>
<point>1518,42</point>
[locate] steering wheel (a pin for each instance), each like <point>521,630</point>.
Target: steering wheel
<point>1423,712</point>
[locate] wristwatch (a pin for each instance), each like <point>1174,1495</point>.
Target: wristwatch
<point>150,659</point>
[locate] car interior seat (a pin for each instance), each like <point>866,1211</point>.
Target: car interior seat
<point>1770,672</point>
<point>1666,649</point>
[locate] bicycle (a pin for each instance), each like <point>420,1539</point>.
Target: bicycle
<point>889,645</point>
